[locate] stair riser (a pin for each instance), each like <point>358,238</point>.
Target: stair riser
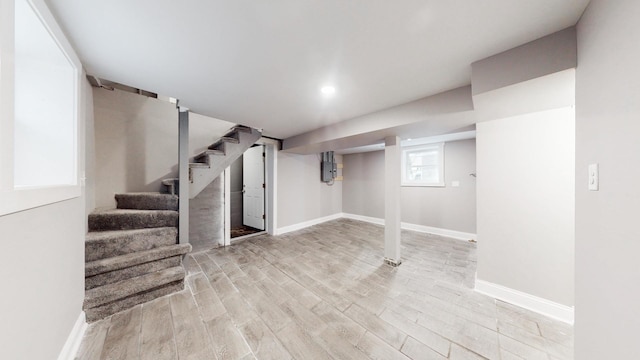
<point>104,222</point>
<point>106,294</point>
<point>128,243</point>
<point>170,186</point>
<point>130,272</point>
<point>100,312</point>
<point>147,202</point>
<point>122,262</point>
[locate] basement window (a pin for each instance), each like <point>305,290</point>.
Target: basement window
<point>423,165</point>
<point>39,79</point>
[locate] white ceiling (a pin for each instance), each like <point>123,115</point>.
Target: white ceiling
<point>262,63</point>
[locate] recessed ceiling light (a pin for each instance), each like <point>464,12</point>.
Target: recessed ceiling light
<point>328,90</point>
<point>409,139</point>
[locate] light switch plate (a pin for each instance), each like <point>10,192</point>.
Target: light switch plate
<point>455,183</point>
<point>594,181</point>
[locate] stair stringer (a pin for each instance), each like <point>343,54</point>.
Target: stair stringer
<point>200,177</point>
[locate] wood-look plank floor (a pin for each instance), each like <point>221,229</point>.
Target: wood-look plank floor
<point>324,293</point>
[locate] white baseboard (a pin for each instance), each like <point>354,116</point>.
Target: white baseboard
<point>302,225</point>
<point>530,302</point>
<point>368,219</point>
<point>459,235</point>
<point>71,346</point>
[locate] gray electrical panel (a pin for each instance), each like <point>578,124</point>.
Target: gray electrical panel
<point>328,167</point>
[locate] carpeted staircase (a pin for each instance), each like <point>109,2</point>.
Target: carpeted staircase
<point>131,254</point>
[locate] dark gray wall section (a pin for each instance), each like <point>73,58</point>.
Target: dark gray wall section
<point>452,208</point>
<point>547,55</point>
<point>206,216</point>
<point>236,193</point>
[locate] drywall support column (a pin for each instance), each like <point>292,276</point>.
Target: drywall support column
<point>183,164</point>
<point>392,171</point>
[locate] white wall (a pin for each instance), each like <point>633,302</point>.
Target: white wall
<point>547,55</point>
<point>43,266</point>
<point>525,194</point>
<point>136,142</point>
<point>607,132</point>
<point>451,208</point>
<point>301,196</point>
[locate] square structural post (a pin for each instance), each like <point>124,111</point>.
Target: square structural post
<point>183,175</point>
<point>392,171</point>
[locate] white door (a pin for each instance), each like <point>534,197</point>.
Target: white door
<point>253,187</point>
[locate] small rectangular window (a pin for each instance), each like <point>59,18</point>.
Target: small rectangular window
<point>44,105</point>
<point>40,102</point>
<point>423,165</point>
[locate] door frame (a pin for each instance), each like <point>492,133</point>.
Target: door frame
<point>254,164</point>
<point>271,148</point>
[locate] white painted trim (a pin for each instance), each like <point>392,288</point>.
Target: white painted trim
<point>302,225</point>
<point>226,240</point>
<point>243,237</point>
<point>530,302</point>
<point>368,219</point>
<point>71,346</point>
<point>458,235</point>
<point>271,178</point>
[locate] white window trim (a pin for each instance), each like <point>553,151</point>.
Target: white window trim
<point>14,199</point>
<point>407,183</point>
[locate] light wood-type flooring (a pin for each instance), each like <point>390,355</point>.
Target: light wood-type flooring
<point>324,293</point>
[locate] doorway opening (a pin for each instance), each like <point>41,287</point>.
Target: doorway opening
<point>250,192</point>
<point>247,193</point>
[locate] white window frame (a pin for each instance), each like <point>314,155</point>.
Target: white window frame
<point>14,199</point>
<point>405,150</point>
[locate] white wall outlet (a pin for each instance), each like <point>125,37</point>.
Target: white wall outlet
<point>455,184</point>
<point>594,182</point>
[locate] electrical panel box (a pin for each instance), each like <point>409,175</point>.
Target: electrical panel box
<point>328,167</point>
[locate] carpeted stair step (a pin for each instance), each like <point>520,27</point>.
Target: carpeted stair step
<point>123,219</point>
<point>147,201</point>
<point>102,311</point>
<point>130,272</point>
<point>136,258</point>
<point>123,289</point>
<point>105,244</point>
<point>171,186</point>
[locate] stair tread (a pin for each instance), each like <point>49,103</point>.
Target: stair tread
<point>104,244</point>
<point>139,257</point>
<point>230,139</point>
<point>129,211</point>
<point>209,152</point>
<point>198,165</point>
<point>147,201</point>
<point>242,128</point>
<point>95,236</point>
<point>112,292</point>
<point>150,193</point>
<point>123,219</point>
